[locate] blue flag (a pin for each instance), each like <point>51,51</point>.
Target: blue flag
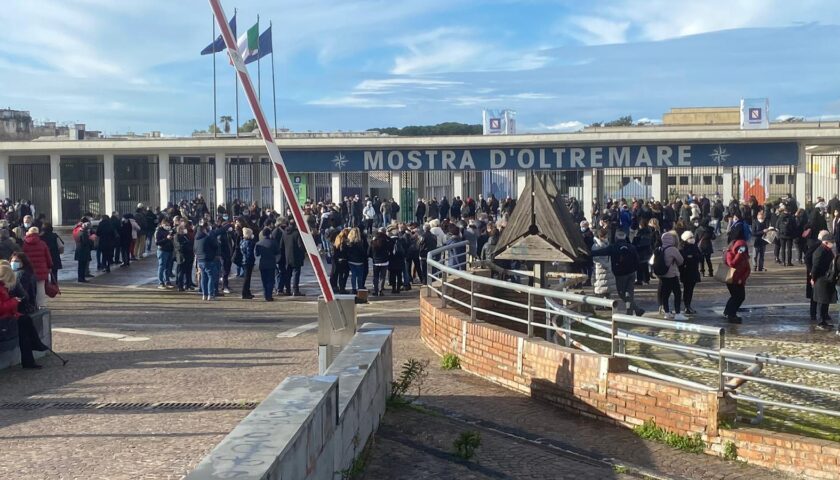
<point>265,46</point>
<point>219,44</point>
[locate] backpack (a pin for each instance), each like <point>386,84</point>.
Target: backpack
<point>399,247</point>
<point>626,261</point>
<point>660,268</point>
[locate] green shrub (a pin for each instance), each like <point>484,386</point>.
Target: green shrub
<point>413,373</point>
<point>450,361</point>
<point>688,443</point>
<point>466,444</point>
<point>730,450</point>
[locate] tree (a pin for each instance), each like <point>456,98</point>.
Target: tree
<point>625,121</point>
<point>248,126</point>
<point>213,128</point>
<point>446,128</point>
<point>226,119</point>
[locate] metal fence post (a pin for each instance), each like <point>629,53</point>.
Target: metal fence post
<point>721,362</point>
<point>443,276</point>
<point>472,300</point>
<point>530,315</point>
<point>614,336</point>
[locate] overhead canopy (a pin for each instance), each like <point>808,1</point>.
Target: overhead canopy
<point>541,229</point>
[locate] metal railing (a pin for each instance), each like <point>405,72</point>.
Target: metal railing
<point>615,335</point>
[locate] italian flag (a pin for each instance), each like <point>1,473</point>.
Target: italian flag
<point>249,43</point>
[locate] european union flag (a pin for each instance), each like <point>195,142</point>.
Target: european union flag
<point>265,46</point>
<point>219,44</point>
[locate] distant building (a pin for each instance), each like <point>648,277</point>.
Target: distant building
<point>702,116</point>
<point>15,125</point>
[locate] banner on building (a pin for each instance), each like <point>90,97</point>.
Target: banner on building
<point>754,182</point>
<point>755,113</point>
<point>499,122</point>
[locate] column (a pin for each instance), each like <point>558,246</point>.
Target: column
<point>278,199</point>
<point>110,186</point>
<point>335,187</point>
<point>458,184</point>
<point>221,163</point>
<point>588,193</point>
<point>521,178</point>
<point>4,175</point>
<point>728,194</point>
<point>163,179</point>
<point>396,186</point>
<point>659,184</point>
<point>55,188</point>
<point>802,194</point>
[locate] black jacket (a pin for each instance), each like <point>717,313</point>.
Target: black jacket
<point>266,252</point>
<point>690,269</point>
<point>293,247</point>
<point>824,291</point>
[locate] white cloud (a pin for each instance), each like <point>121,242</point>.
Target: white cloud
<point>569,126</point>
<point>353,101</point>
<point>597,30</point>
<point>391,84</point>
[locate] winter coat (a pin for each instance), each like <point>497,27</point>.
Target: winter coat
<point>39,254</point>
<point>471,236</point>
<point>8,304</point>
<point>690,269</point>
<point>643,242</point>
<point>738,257</point>
<point>824,291</point>
<point>246,251</point>
<point>604,283</point>
<point>26,289</point>
<point>457,255</point>
<point>263,251</point>
<point>163,240</point>
<point>673,258</point>
<point>183,248</point>
<point>53,241</point>
<point>356,253</point>
<point>705,234</point>
<point>380,250</point>
<point>83,245</point>
<point>293,247</point>
<point>106,234</point>
<point>428,242</point>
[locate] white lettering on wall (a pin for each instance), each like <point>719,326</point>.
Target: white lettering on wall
<point>558,157</point>
<point>447,160</point>
<point>373,162</point>
<point>522,161</point>
<point>498,159</point>
<point>543,162</point>
<point>467,161</point>
<point>663,156</point>
<point>597,155</point>
<point>431,154</point>
<point>414,161</point>
<point>684,156</point>
<point>395,160</point>
<point>643,157</point>
<point>621,159</point>
<point>577,158</point>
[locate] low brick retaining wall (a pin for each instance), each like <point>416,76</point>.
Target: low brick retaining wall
<point>600,387</point>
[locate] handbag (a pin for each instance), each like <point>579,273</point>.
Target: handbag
<point>51,289</point>
<point>724,273</point>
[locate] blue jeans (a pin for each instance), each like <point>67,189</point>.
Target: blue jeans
<point>209,284</point>
<point>164,263</point>
<point>356,277</point>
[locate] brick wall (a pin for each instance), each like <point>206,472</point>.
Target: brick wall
<point>600,387</point>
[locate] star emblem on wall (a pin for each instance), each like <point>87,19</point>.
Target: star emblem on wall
<point>719,155</point>
<point>340,161</point>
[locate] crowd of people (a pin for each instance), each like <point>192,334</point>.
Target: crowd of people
<point>674,241</point>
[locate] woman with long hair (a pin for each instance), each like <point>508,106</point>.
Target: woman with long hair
<point>340,268</point>
<point>380,249</point>
<point>25,289</point>
<point>356,259</point>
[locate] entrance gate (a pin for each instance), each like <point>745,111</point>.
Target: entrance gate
<point>30,181</point>
<point>136,181</point>
<point>82,181</point>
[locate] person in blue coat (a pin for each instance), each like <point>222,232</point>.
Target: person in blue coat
<point>246,247</point>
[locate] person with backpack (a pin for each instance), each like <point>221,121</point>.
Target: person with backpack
<point>643,241</point>
<point>689,270</point>
<point>824,277</point>
<point>396,260</point>
<point>737,258</point>
<point>760,227</point>
<point>705,233</point>
<point>786,225</point>
<point>666,262</point>
<point>624,261</point>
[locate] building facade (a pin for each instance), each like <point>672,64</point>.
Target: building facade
<point>66,179</point>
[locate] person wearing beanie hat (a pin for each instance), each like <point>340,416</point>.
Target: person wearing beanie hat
<point>823,279</point>
<point>690,269</point>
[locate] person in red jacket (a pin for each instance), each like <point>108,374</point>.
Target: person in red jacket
<point>8,303</point>
<point>39,254</point>
<point>737,257</point>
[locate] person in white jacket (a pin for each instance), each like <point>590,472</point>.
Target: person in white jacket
<point>369,215</point>
<point>604,282</point>
<point>438,232</point>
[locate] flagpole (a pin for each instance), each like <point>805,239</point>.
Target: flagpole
<point>259,81</point>
<point>236,94</point>
<point>273,86</point>
<point>215,113</point>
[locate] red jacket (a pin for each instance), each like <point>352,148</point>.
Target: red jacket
<point>738,257</point>
<point>8,304</point>
<point>39,254</point>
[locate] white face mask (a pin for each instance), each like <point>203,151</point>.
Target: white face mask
<point>691,241</point>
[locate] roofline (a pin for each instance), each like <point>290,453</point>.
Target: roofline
<point>823,135</point>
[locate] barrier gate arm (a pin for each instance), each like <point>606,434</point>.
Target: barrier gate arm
<point>336,315</point>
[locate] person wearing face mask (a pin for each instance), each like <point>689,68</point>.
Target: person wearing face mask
<point>689,270</point>
<point>165,248</point>
<point>39,253</point>
<point>824,273</point>
<point>27,222</point>
<point>25,289</point>
<point>760,227</point>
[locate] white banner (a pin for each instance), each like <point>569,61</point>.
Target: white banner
<point>754,182</point>
<point>499,122</point>
<point>755,113</point>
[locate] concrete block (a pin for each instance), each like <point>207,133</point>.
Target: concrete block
<point>10,348</point>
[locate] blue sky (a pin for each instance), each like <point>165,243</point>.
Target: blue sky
<point>357,64</point>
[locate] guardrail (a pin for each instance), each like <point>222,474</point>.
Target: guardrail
<point>615,334</point>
